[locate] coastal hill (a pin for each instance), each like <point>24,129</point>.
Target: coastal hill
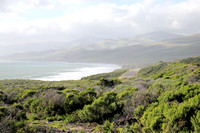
<point>148,52</point>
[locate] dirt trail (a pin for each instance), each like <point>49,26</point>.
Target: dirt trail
<point>70,128</point>
<point>130,74</point>
<point>82,126</point>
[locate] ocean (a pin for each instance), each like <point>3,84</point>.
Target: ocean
<point>52,71</point>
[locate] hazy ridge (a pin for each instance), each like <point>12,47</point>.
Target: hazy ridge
<point>138,51</point>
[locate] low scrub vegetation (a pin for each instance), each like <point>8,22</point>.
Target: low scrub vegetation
<point>162,98</point>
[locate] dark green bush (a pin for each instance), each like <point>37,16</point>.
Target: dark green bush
<point>108,82</point>
<point>102,108</point>
<point>3,112</point>
<point>28,93</point>
<point>50,119</point>
<point>76,101</point>
<point>72,103</point>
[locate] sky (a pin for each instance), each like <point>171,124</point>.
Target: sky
<point>37,21</point>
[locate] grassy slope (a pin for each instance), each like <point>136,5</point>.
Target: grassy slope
<point>162,98</point>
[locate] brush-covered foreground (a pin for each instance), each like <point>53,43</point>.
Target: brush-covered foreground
<point>162,98</point>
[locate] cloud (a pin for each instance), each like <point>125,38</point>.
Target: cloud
<point>106,19</point>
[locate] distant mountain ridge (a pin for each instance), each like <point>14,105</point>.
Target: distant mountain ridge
<point>127,54</point>
<point>160,35</point>
<point>45,46</point>
<point>144,39</point>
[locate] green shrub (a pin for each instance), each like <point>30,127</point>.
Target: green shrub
<point>139,111</point>
<point>19,106</point>
<point>159,75</point>
<point>24,94</point>
<point>3,112</point>
<point>28,93</point>
<point>8,126</point>
<point>81,131</point>
<point>3,97</point>
<point>173,117</point>
<point>33,117</point>
<point>108,83</point>
<point>136,127</point>
<point>19,124</point>
<point>124,99</point>
<point>88,96</point>
<point>72,103</point>
<point>196,122</point>
<point>76,101</point>
<point>35,105</point>
<point>17,112</point>
<point>127,129</point>
<point>102,108</point>
<point>72,118</point>
<point>108,127</point>
<point>50,119</point>
<point>146,130</point>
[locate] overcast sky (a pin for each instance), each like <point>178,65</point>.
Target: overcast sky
<point>27,21</point>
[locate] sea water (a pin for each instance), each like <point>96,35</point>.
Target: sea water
<point>52,71</point>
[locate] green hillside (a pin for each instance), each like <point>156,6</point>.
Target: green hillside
<point>144,39</point>
<point>135,55</point>
<point>164,97</point>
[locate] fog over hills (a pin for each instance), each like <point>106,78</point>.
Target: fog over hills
<point>37,47</point>
<point>144,39</point>
<point>88,42</point>
<point>137,51</point>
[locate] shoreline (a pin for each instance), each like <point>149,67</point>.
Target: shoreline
<point>57,71</point>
